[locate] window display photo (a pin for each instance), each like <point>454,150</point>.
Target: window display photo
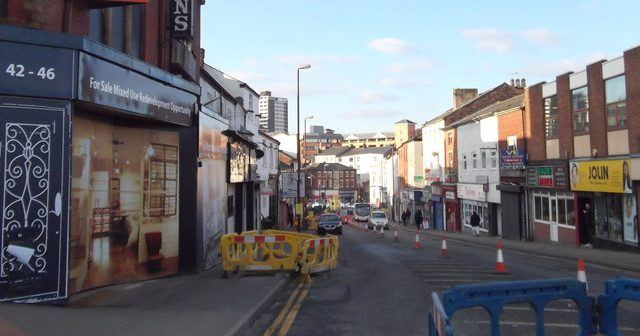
<point>124,203</point>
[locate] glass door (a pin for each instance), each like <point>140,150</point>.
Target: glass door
<point>553,219</point>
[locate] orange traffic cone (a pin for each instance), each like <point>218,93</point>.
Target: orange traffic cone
<point>582,275</point>
<point>500,266</point>
<point>416,244</point>
<point>443,248</point>
<point>395,236</point>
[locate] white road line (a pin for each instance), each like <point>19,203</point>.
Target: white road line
<point>547,309</point>
<point>532,324</point>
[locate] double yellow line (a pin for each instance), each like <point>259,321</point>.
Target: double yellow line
<point>288,314</point>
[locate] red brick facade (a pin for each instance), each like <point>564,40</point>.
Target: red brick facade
<point>565,124</point>
<point>72,17</point>
<point>597,116</point>
<point>534,123</point>
<point>632,70</point>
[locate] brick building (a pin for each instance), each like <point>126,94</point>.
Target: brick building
<point>331,180</point>
<point>582,141</point>
<point>99,101</point>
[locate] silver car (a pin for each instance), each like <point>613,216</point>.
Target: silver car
<point>378,219</point>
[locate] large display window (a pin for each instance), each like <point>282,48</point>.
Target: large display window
<point>124,203</point>
<point>615,217</point>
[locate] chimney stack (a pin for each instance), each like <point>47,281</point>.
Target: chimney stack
<point>462,96</point>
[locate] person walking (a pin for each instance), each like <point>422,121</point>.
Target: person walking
<point>418,219</point>
<point>475,224</point>
<point>408,216</point>
<point>403,217</point>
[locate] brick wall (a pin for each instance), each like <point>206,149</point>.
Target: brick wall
<point>565,124</point>
<point>534,123</point>
<point>597,114</point>
<point>500,92</point>
<point>632,70</point>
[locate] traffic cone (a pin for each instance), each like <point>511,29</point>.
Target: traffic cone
<point>382,232</point>
<point>500,266</point>
<point>416,244</point>
<point>582,275</point>
<point>395,236</point>
<point>443,249</point>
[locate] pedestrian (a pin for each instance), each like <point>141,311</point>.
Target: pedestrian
<point>403,217</point>
<point>475,224</point>
<point>408,216</point>
<point>418,219</point>
<point>587,224</point>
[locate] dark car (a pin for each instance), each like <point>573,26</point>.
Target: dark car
<point>329,223</point>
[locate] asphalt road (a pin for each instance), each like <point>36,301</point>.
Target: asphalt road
<point>383,287</point>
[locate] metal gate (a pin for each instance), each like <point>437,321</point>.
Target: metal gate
<point>34,159</point>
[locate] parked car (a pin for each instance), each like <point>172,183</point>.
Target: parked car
<point>346,214</point>
<point>329,223</point>
<point>378,219</point>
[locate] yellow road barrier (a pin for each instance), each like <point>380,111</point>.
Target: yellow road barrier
<point>319,254</point>
<point>275,250</point>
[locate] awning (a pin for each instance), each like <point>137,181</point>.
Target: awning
<point>235,135</point>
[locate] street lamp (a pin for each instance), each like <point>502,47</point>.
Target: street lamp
<point>304,137</point>
<point>300,67</point>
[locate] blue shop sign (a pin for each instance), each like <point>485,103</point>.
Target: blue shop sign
<point>512,159</point>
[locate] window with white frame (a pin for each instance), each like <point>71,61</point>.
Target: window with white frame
<point>464,161</point>
<point>554,208</point>
<point>512,142</point>
<point>474,158</point>
<point>483,156</point>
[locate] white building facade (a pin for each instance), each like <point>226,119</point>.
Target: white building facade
<point>274,113</point>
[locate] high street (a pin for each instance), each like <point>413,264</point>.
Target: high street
<point>383,287</point>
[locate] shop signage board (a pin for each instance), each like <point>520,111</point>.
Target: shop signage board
<point>239,163</point>
<point>36,70</point>
<point>612,176</point>
<point>472,192</point>
<point>512,159</point>
<point>547,177</point>
<point>181,12</point>
<point>289,181</point>
<point>110,85</point>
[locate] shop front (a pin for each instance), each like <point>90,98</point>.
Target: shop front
<point>437,206</point>
<point>244,192</point>
<point>212,186</point>
<point>452,208</point>
<point>607,187</point>
<point>473,198</point>
<point>551,205</point>
<point>97,147</point>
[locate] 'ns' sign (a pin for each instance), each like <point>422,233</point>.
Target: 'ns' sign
<point>181,19</point>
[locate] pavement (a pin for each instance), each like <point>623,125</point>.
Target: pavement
<point>195,304</point>
<point>619,260</point>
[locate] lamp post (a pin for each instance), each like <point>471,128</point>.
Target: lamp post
<point>300,67</point>
<point>304,137</point>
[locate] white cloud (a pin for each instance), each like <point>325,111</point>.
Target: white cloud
<point>405,83</point>
<point>372,113</point>
<point>251,62</point>
<point>490,39</point>
<point>373,97</point>
<point>541,36</point>
<point>408,67</point>
<point>390,45</point>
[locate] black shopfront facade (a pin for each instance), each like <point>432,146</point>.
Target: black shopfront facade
<point>99,162</point>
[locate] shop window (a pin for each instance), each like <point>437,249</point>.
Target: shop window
<point>608,215</point>
<point>554,209</point>
<point>580,109</point>
<point>615,100</point>
<point>551,117</point>
<point>538,207</point>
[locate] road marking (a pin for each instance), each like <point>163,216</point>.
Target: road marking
<point>546,309</point>
<point>525,324</point>
<point>293,312</point>
<point>450,280</point>
<point>283,312</point>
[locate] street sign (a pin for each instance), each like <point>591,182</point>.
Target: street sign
<point>289,182</point>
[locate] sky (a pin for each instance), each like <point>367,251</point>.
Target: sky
<point>376,62</point>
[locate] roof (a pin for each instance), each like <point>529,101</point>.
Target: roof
<point>327,166</point>
<point>363,136</point>
<point>331,136</point>
<point>230,84</point>
<point>335,150</point>
<point>405,121</point>
<point>368,150</point>
<point>503,105</point>
<point>268,136</point>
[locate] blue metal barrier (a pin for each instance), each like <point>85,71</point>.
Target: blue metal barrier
<point>494,296</point>
<point>614,291</point>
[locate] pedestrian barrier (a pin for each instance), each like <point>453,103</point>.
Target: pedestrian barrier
<point>319,254</point>
<point>614,291</point>
<point>494,296</point>
<point>274,250</point>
